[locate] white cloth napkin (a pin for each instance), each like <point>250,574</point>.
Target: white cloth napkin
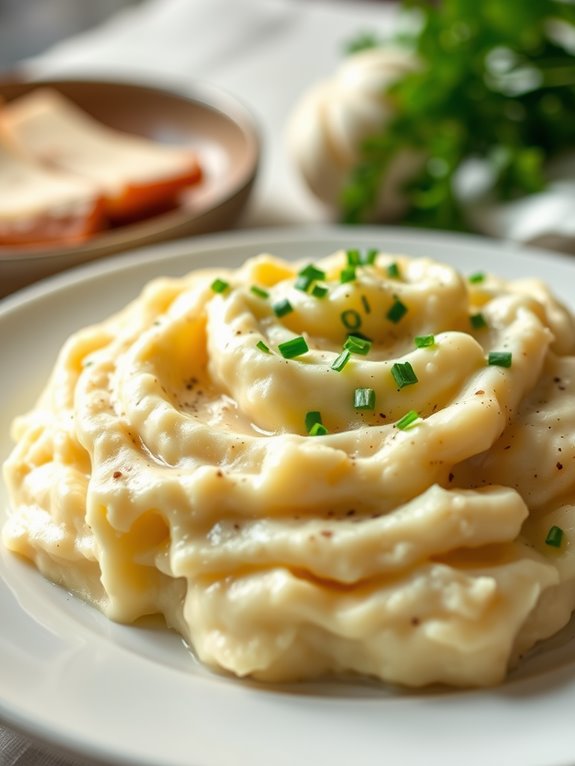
<point>266,53</point>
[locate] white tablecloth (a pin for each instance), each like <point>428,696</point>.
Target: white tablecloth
<point>266,53</point>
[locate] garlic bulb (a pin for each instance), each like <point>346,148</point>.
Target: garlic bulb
<point>334,117</point>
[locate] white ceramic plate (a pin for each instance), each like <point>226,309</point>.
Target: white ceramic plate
<point>135,695</point>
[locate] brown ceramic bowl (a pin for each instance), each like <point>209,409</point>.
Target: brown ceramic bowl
<point>213,123</point>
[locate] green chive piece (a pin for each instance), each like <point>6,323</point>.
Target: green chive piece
<point>397,311</point>
<point>351,319</point>
<point>407,420</point>
<point>424,341</point>
<point>365,304</point>
<point>262,347</point>
<point>404,374</point>
<point>303,283</point>
<point>259,291</point>
<point>281,308</point>
<point>347,274</point>
<point>476,278</point>
<point>357,345</point>
<point>319,291</point>
<point>353,257</point>
<point>478,321</point>
<point>364,399</point>
<point>294,347</point>
<point>311,418</point>
<point>499,358</point>
<point>393,271</point>
<point>311,272</point>
<point>314,425</point>
<point>219,285</point>
<point>340,361</point>
<point>554,537</point>
<point>368,258</point>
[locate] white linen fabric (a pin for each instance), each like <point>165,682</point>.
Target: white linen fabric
<point>265,53</point>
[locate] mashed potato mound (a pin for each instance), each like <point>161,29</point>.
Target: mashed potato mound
<point>296,502</point>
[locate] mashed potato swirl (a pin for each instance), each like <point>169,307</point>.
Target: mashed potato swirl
<point>170,467</point>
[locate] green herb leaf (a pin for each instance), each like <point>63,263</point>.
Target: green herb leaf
<point>554,537</point>
<point>347,274</point>
<point>318,429</point>
<point>262,347</point>
<point>496,80</point>
<point>404,374</point>
<point>351,319</point>
<point>407,420</point>
<point>219,285</point>
<point>259,291</point>
<point>312,418</point>
<point>424,341</point>
<point>294,347</point>
<point>478,321</point>
<point>353,257</point>
<point>357,345</point>
<point>283,307</point>
<point>364,399</point>
<point>499,358</point>
<point>340,361</point>
<point>369,257</point>
<point>397,311</point>
<point>319,291</point>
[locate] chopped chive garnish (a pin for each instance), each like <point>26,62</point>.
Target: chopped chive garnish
<point>303,283</point>
<point>347,274</point>
<point>311,272</point>
<point>281,308</point>
<point>357,345</point>
<point>351,319</point>
<point>554,537</point>
<point>219,285</point>
<point>477,321</point>
<point>407,420</point>
<point>262,347</point>
<point>476,278</point>
<point>365,304</point>
<point>393,271</point>
<point>499,358</point>
<point>397,311</point>
<point>404,374</point>
<point>353,257</point>
<point>311,418</point>
<point>313,424</point>
<point>294,347</point>
<point>369,256</point>
<point>319,291</point>
<point>424,341</point>
<point>340,361</point>
<point>259,291</point>
<point>364,399</point>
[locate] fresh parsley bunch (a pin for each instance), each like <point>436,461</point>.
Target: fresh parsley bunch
<point>496,82</point>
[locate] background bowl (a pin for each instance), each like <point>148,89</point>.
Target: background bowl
<point>211,122</point>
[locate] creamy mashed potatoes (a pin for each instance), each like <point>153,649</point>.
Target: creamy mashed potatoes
<point>294,501</point>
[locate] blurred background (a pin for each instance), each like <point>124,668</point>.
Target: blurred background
<point>28,27</point>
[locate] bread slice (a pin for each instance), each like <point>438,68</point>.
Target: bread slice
<point>44,207</point>
<point>136,176</point>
